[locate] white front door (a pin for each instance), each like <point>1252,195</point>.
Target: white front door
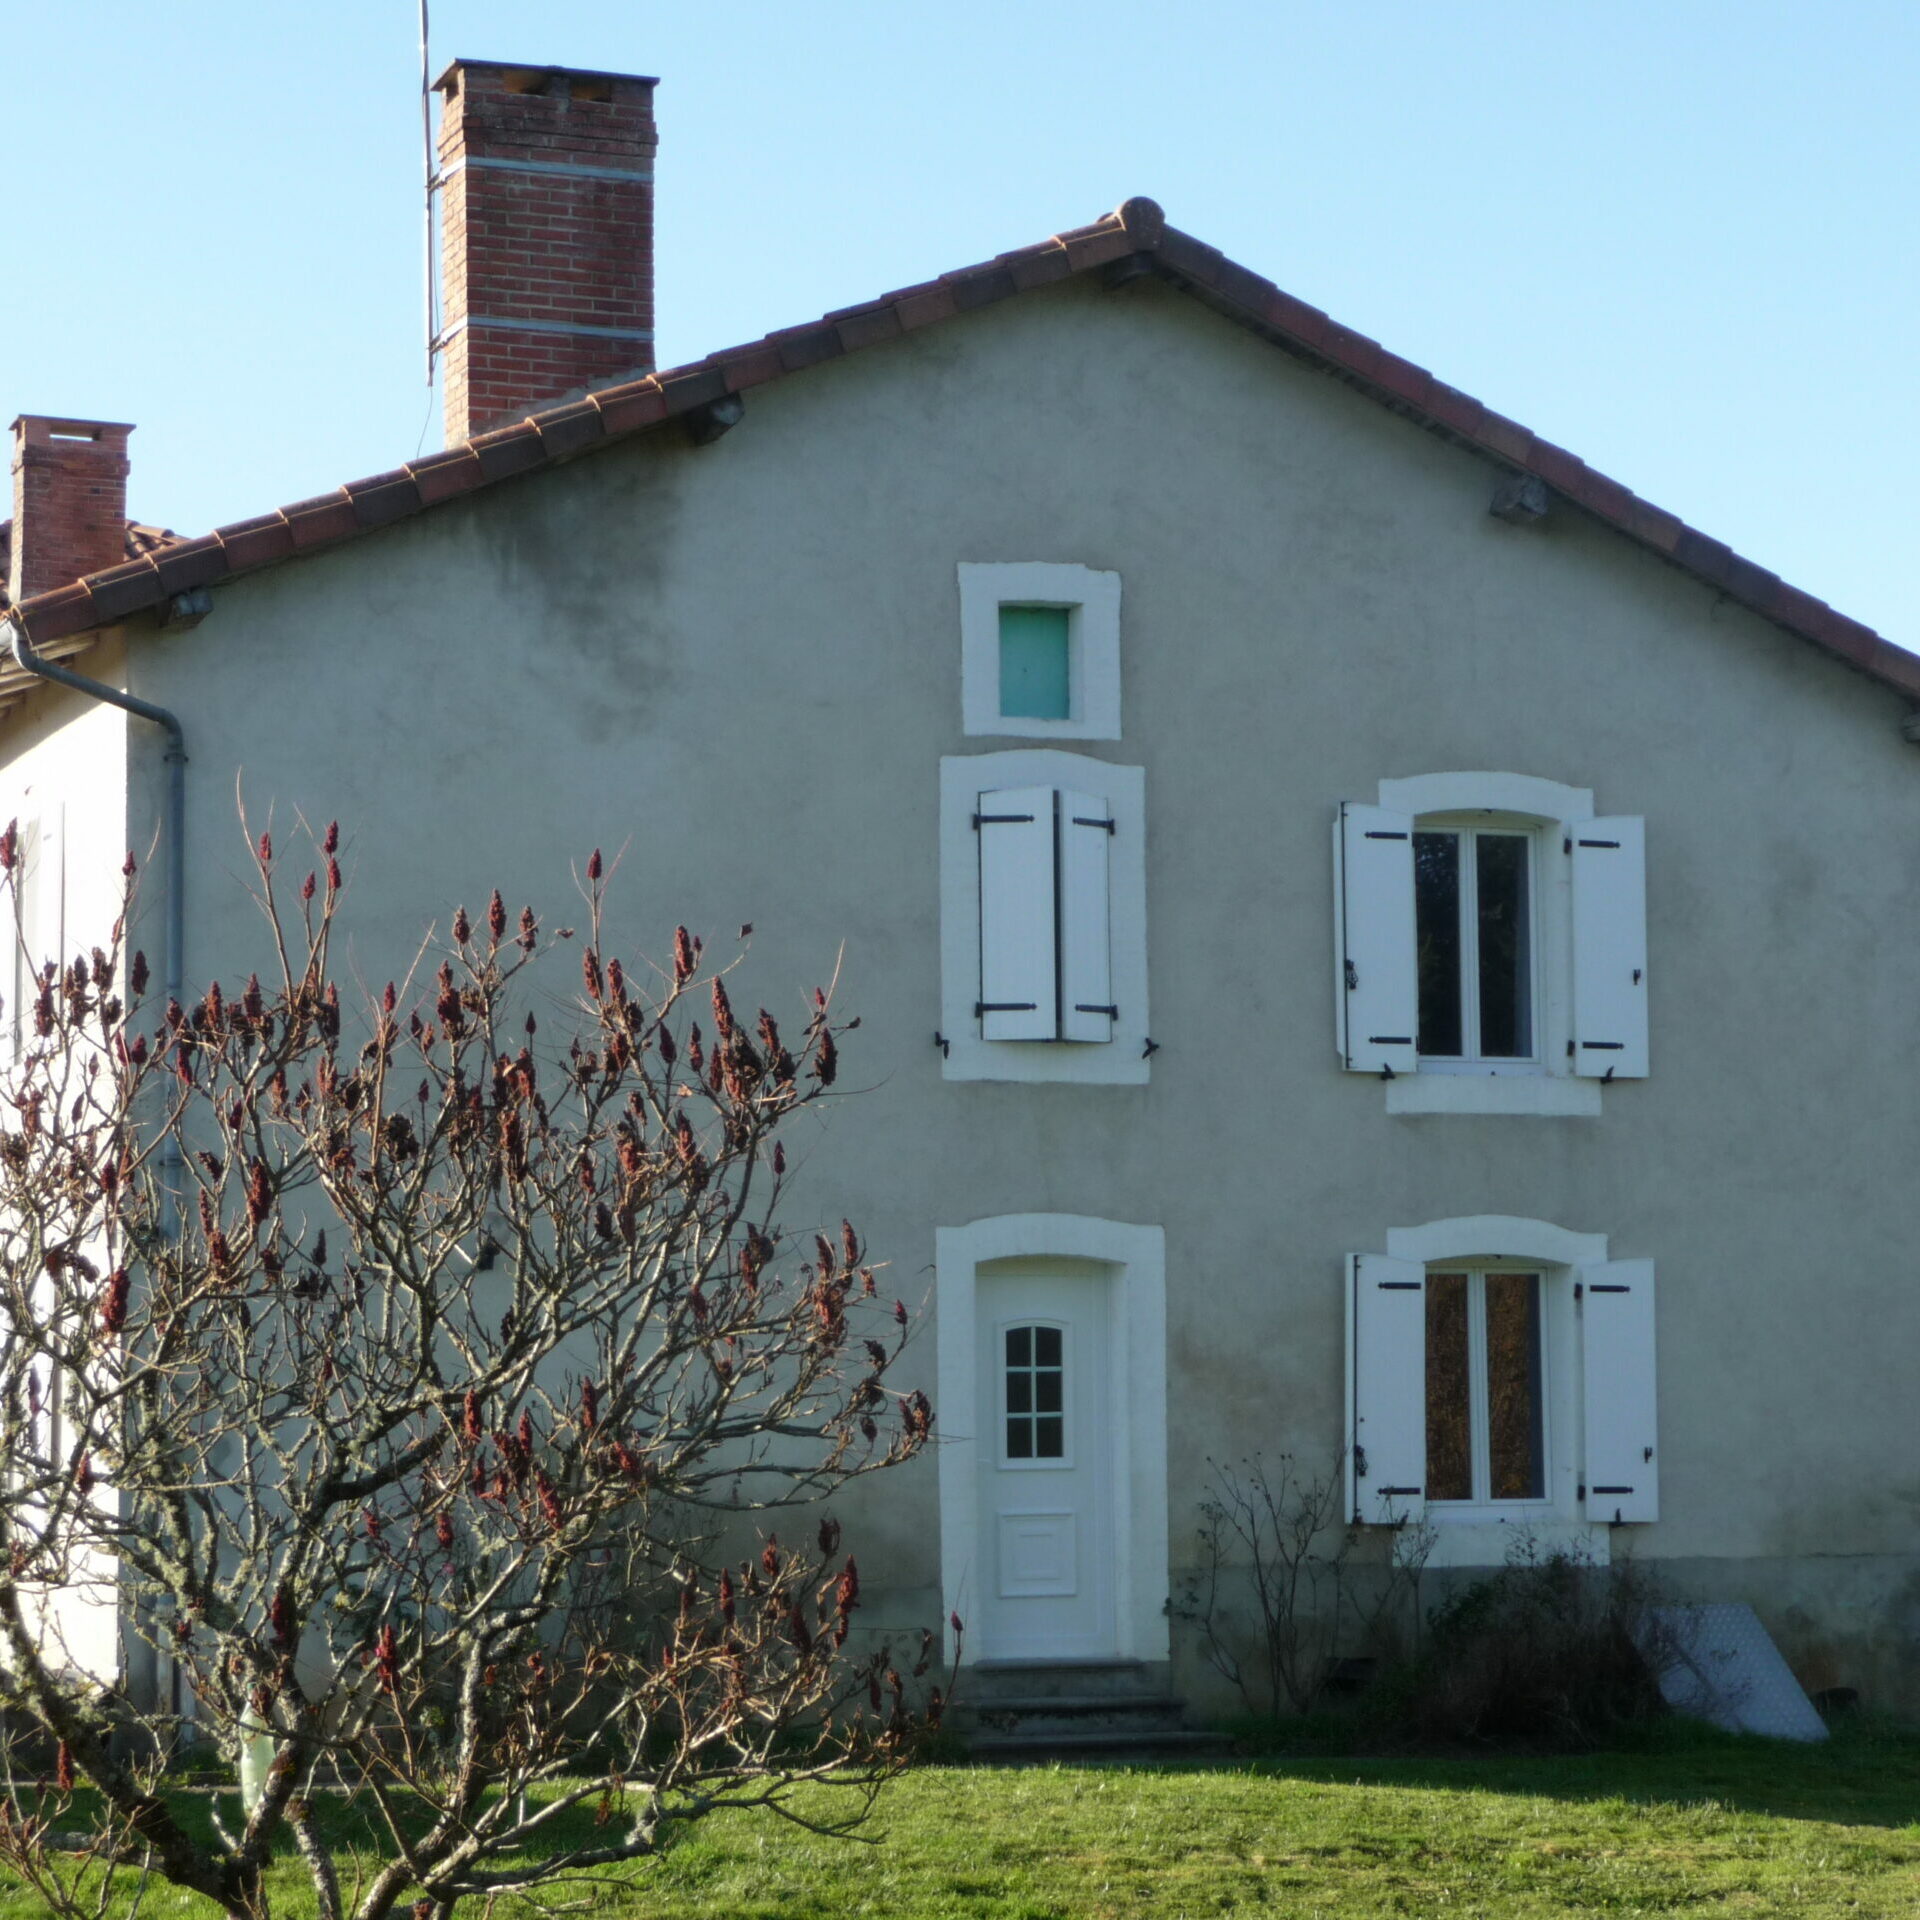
<point>1043,1459</point>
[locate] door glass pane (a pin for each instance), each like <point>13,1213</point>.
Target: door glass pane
<point>1034,666</point>
<point>1449,1403</point>
<point>1506,961</point>
<point>1436,913</point>
<point>1035,1394</point>
<point>1516,1455</point>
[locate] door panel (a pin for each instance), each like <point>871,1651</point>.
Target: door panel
<point>1044,1461</point>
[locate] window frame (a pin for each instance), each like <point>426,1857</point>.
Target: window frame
<point>1470,1534</point>
<point>966,1054</point>
<point>1091,599</point>
<point>1468,826</point>
<point>1548,1085</point>
<point>1556,1301</point>
<point>1008,1461</point>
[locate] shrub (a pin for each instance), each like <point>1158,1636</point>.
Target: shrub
<point>1550,1651</point>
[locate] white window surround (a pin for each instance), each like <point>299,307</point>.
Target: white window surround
<point>1119,1061</point>
<point>1479,1536</point>
<point>1093,646</point>
<point>1137,1404</point>
<point>1546,1086</point>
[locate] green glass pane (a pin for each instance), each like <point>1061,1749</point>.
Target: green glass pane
<point>1033,664</point>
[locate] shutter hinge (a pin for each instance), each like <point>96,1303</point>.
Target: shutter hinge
<point>1600,843</point>
<point>1613,1489</point>
<point>1374,834</point>
<point>1610,1286</point>
<point>1001,820</point>
<point>1583,1489</point>
<point>1578,1291</point>
<point>1566,845</point>
<point>1080,820</point>
<point>1112,1013</point>
<point>1395,1493</point>
<point>1569,1049</point>
<point>1004,1006</point>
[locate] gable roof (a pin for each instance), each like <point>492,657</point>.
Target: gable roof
<point>1131,241</point>
<point>140,539</point>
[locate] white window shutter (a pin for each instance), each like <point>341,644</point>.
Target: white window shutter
<point>1087,1011</point>
<point>1387,1364</point>
<point>1019,986</point>
<point>1609,948</point>
<point>1376,977</point>
<point>1621,1473</point>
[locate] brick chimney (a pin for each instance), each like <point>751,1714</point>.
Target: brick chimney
<point>546,236</point>
<point>69,501</point>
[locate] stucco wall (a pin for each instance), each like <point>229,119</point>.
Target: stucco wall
<point>63,759</point>
<point>739,667</point>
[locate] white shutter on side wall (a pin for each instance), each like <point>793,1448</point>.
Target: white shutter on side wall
<point>1609,948</point>
<point>1621,1473</point>
<point>1377,977</point>
<point>1019,987</point>
<point>1087,1011</point>
<point>1387,1454</point>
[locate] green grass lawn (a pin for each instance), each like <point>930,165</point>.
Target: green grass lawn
<point>1693,1825</point>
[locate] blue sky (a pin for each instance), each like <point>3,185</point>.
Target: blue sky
<point>1677,238</point>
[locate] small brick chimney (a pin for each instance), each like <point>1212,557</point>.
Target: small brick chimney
<point>69,501</point>
<point>546,236</point>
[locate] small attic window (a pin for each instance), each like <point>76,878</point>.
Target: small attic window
<point>1039,650</point>
<point>1036,663</point>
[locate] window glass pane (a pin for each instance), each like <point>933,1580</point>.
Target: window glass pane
<point>1506,962</point>
<point>1019,1393</point>
<point>1046,1392</point>
<point>1019,1346</point>
<point>1449,1408</point>
<point>1515,1451</point>
<point>1019,1439</point>
<point>1034,663</point>
<point>1436,910</point>
<point>1049,1437</point>
<point>1046,1346</point>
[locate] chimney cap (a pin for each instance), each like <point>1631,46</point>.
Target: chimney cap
<point>58,426</point>
<point>536,76</point>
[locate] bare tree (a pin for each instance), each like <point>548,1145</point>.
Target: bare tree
<point>417,1392</point>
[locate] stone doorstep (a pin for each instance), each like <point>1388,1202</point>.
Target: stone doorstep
<point>1167,1743</point>
<point>990,1682</point>
<point>1022,1711</point>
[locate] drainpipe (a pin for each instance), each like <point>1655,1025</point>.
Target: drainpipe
<point>171,1168</point>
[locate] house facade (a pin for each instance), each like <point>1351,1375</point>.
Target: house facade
<point>1372,943</point>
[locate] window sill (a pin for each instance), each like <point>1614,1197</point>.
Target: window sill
<point>1108,1063</point>
<point>1468,1540</point>
<point>1535,1093</point>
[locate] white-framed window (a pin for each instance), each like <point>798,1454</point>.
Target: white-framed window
<point>1039,650</point>
<point>1033,1389</point>
<point>1500,1372</point>
<point>1490,944</point>
<point>1042,918</point>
